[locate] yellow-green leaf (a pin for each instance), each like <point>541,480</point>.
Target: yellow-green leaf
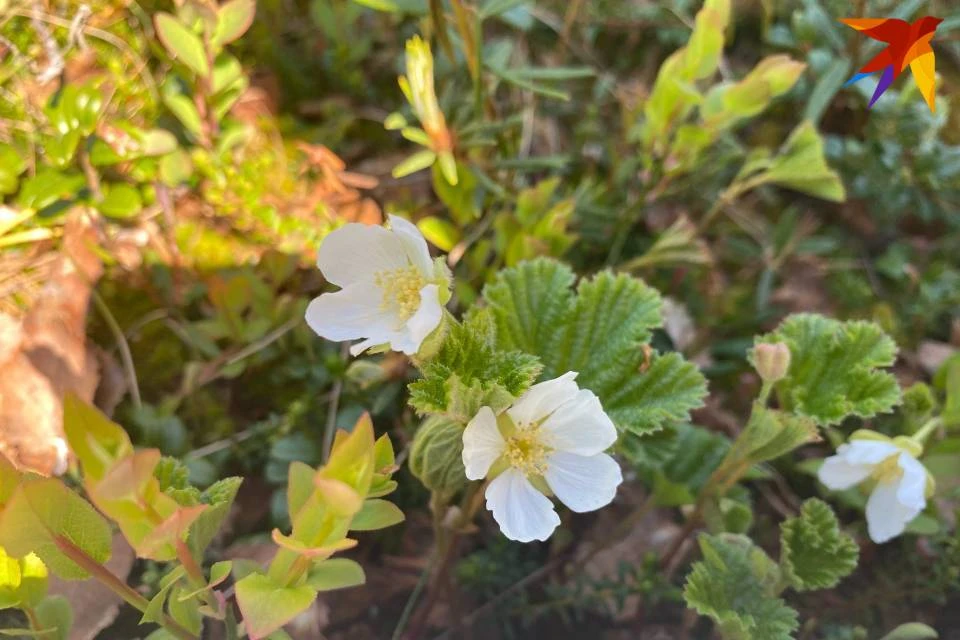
<point>335,573</point>
<point>44,517</point>
<point>376,514</point>
<point>266,605</point>
<point>233,20</point>
<point>97,442</point>
<point>181,43</point>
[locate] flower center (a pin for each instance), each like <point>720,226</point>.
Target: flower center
<point>526,453</point>
<point>401,290</point>
<point>889,470</point>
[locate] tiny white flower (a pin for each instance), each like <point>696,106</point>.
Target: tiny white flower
<point>391,293</point>
<point>901,483</point>
<point>551,440</point>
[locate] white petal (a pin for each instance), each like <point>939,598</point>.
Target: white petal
<point>543,398</point>
<point>482,444</point>
<point>351,313</point>
<point>422,323</point>
<point>913,483</point>
<point>360,347</point>
<point>413,243</point>
<point>583,483</point>
<point>838,474</point>
<point>523,513</point>
<point>579,426</point>
<point>887,517</point>
<point>356,252</point>
<point>867,451</point>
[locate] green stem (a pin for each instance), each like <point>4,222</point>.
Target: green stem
<point>118,586</point>
<point>920,437</point>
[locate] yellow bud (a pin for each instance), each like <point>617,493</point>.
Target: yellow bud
<point>771,361</point>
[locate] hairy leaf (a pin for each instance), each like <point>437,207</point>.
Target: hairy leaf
<point>735,584</point>
<point>814,552</point>
<point>436,455</point>
<point>835,368</point>
<point>469,372</point>
<point>601,331</point>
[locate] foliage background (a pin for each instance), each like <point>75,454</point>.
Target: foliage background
<point>196,262</point>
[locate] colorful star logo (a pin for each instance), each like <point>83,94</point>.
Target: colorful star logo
<point>908,44</point>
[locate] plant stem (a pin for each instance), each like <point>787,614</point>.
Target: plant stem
<point>115,584</point>
<point>920,437</point>
<point>126,356</point>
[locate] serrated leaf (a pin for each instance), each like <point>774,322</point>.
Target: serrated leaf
<point>219,497</point>
<point>42,516</point>
<point>814,552</point>
<point>601,332</point>
<point>835,368</point>
<point>735,585</point>
<point>267,605</point>
<point>335,573</point>
<point>469,372</point>
<point>181,43</point>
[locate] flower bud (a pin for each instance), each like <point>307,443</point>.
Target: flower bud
<point>771,361</point>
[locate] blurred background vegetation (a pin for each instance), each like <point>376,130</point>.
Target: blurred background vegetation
<point>181,197</point>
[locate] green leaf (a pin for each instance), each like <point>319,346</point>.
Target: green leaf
<point>801,165</point>
<point>602,333</point>
<point>42,515</point>
<point>770,434</point>
<point>185,111</point>
<point>11,166</point>
<point>335,573</point>
<point>97,442</point>
<point>523,81</point>
<point>436,455</point>
<point>267,605</point>
<point>49,186</point>
<point>219,496</point>
<point>418,161</point>
<point>835,368</point>
<point>439,232</point>
<point>56,615</point>
<point>912,631</point>
<point>701,56</point>
<point>469,372</point>
<point>814,552</point>
<point>120,201</point>
<point>233,20</point>
<point>376,514</point>
<point>181,43</point>
<point>735,584</point>
<point>826,87</point>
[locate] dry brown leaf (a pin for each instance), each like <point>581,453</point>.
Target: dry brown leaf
<point>44,355</point>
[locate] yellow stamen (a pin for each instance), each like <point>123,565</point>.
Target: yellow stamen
<point>888,470</point>
<point>526,452</point>
<point>401,290</point>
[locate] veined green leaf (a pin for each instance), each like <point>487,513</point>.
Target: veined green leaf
<point>43,516</point>
<point>814,552</point>
<point>835,368</point>
<point>601,333</point>
<point>736,585</point>
<point>267,605</point>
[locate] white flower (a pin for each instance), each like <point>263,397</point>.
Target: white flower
<point>391,293</point>
<point>550,440</point>
<point>901,484</point>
